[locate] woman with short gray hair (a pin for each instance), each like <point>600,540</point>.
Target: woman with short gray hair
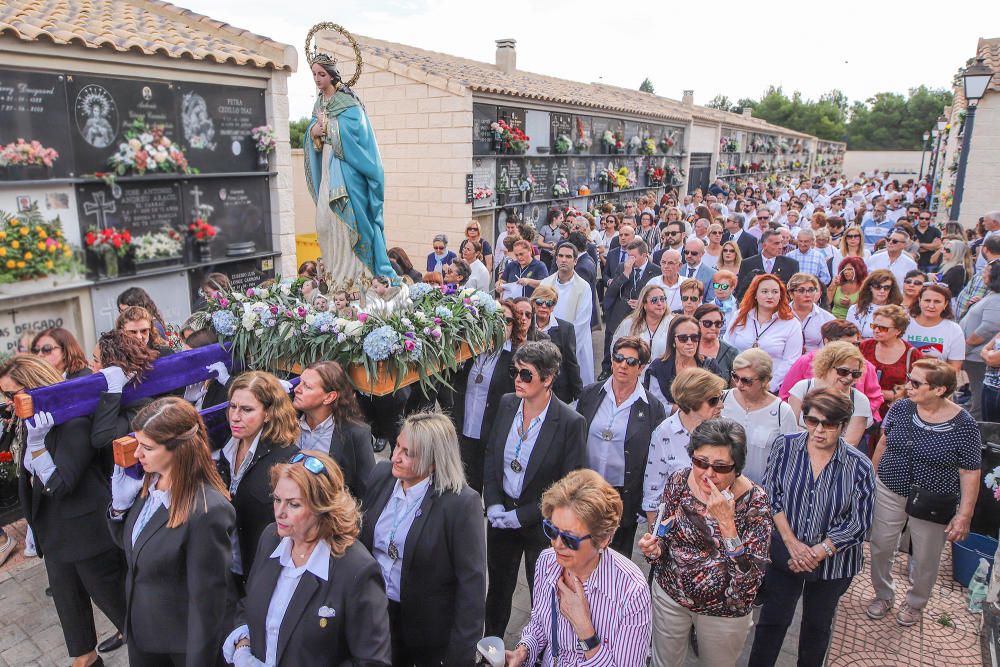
<point>763,415</point>
<point>435,576</point>
<point>440,257</point>
<point>709,550</point>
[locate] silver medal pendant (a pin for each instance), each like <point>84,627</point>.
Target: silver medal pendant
<point>607,435</point>
<point>393,551</point>
<point>516,466</point>
<point>479,379</point>
<point>755,344</point>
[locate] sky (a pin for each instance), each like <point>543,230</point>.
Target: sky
<point>859,47</point>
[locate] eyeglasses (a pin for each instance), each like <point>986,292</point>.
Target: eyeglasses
<point>671,233</point>
<point>720,285</point>
<point>692,299</point>
<point>705,464</point>
<point>885,287</point>
<point>878,328</point>
<point>548,303</point>
<point>439,247</point>
<point>687,338</point>
<point>916,384</point>
<point>844,372</point>
<point>804,290</point>
<point>619,358</point>
<point>45,349</point>
<point>896,241</point>
<point>813,422</point>
<point>657,299</point>
<point>521,373</point>
<point>745,382</point>
<point>925,218</point>
<point>310,463</point>
<point>763,217</point>
<point>572,542</point>
<point>708,324</point>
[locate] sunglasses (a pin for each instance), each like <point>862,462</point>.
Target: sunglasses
<point>914,281</point>
<point>878,328</point>
<point>523,374</point>
<point>813,422</point>
<point>548,303</point>
<point>439,247</point>
<point>916,384</point>
<point>657,299</point>
<point>852,236</point>
<point>688,338</point>
<point>572,542</point>
<point>763,217</point>
<point>45,349</point>
<point>671,233</point>
<point>705,464</point>
<point>923,218</point>
<point>844,372</point>
<point>882,288</point>
<point>720,285</point>
<point>714,401</point>
<point>708,324</point>
<point>738,379</point>
<point>896,241</point>
<point>9,396</point>
<point>310,463</point>
<point>631,362</point>
<point>692,299</point>
<point>691,252</point>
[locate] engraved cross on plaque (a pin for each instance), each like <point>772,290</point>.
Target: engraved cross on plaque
<point>196,192</point>
<point>100,207</point>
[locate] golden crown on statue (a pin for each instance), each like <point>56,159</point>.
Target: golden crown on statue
<point>314,56</point>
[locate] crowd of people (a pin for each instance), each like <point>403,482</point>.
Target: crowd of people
<point>788,372</point>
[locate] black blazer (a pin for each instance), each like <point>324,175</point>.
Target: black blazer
<point>747,243</point>
<point>82,373</point>
<point>567,385</point>
<point>561,448</point>
<point>442,585</point>
<point>643,418</point>
<point>612,260</point>
<point>501,383</point>
<point>351,448</point>
<point>178,579</point>
<point>357,634</point>
<point>67,515</point>
<point>622,289</point>
<point>784,268</point>
<point>252,500</point>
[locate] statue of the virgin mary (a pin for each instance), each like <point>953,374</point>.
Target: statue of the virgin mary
<point>345,178</point>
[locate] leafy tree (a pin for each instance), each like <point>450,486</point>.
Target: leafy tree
<point>297,131</point>
<point>890,121</point>
<point>743,103</point>
<point>720,102</point>
<point>646,86</point>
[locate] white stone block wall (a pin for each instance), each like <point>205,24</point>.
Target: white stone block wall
<point>982,172</point>
<point>282,191</point>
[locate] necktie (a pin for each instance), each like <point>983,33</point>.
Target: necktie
<point>690,272</point>
<point>769,265</point>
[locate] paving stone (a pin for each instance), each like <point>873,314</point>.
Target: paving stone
<point>21,652</point>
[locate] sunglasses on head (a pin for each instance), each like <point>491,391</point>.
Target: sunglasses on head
<point>708,324</point>
<point>548,303</point>
<point>813,422</point>
<point>572,542</point>
<point>844,372</point>
<point>45,349</point>
<point>521,373</point>
<point>739,379</point>
<point>688,338</point>
<point>310,463</point>
<point>705,464</point>
<point>631,362</point>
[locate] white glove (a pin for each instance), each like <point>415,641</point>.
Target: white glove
<point>115,377</point>
<point>38,427</point>
<point>287,385</point>
<point>243,657</point>
<point>493,511</point>
<point>509,520</point>
<point>220,370</point>
<point>124,489</point>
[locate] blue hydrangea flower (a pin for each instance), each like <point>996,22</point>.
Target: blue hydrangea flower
<point>323,322</point>
<point>225,322</point>
<point>442,311</point>
<point>420,290</point>
<point>378,345</point>
<point>485,301</point>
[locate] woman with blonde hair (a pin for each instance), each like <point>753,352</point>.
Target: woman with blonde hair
<point>713,247</point>
<point>956,269</point>
<point>315,594</point>
<point>435,569</point>
<point>838,365</point>
<point>852,243</point>
<point>649,321</point>
<point>729,257</point>
<point>265,430</point>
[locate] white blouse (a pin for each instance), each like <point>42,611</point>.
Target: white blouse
<point>782,339</point>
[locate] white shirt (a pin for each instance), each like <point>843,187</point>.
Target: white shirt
<point>513,481</point>
<point>154,500</point>
<point>673,293</point>
<point>393,526</point>
<point>315,438</point>
<point>477,391</point>
<point>812,337</point>
<point>782,339</point>
<point>762,427</point>
<point>899,267</point>
<point>657,338</point>
<point>606,435</point>
<point>284,589</point>
<point>667,454</point>
<point>479,277</point>
<point>945,340</point>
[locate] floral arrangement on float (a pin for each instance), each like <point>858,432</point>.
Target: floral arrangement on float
<point>560,188</point>
<point>272,327</point>
<point>655,175</point>
<point>583,141</point>
<point>510,139</point>
<point>148,149</point>
<point>32,248</point>
<point>648,146</point>
<point>992,482</point>
<point>165,244</point>
<point>562,145</point>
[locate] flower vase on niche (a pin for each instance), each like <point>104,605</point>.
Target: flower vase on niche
<point>266,140</point>
<point>204,252</point>
<point>262,162</point>
<point>109,260</point>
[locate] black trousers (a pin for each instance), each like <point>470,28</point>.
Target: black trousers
<point>74,585</point>
<point>504,549</point>
<point>137,656</point>
<point>819,602</point>
<point>385,413</point>
<point>624,539</point>
<point>473,452</point>
<point>406,656</point>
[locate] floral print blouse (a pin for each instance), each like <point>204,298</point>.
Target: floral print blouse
<point>693,567</point>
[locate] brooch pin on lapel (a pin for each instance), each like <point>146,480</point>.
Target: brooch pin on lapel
<point>325,613</point>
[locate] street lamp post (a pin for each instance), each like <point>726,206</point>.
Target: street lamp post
<point>936,158</point>
<point>975,79</point>
<point>923,151</point>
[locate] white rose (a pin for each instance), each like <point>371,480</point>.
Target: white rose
<point>353,329</point>
<point>340,323</point>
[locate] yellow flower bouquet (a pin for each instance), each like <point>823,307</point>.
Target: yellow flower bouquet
<point>32,247</point>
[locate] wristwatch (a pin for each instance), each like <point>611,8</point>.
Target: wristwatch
<point>827,549</point>
<point>588,644</point>
<point>732,544</point>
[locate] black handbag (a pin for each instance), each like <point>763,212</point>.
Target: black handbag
<point>929,505</point>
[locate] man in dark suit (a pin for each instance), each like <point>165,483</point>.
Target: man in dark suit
<point>442,579</point>
<point>770,260</point>
<point>535,441</point>
<point>618,444</point>
<point>618,253</point>
<point>620,298</point>
<point>735,223</point>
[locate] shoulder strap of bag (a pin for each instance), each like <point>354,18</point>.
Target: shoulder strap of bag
<point>909,355</point>
<point>555,629</point>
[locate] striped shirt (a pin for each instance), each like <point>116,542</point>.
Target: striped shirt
<point>838,504</point>
<point>619,611</point>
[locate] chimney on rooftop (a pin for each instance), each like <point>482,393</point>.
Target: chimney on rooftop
<point>747,112</point>
<point>688,98</point>
<point>507,55</point>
